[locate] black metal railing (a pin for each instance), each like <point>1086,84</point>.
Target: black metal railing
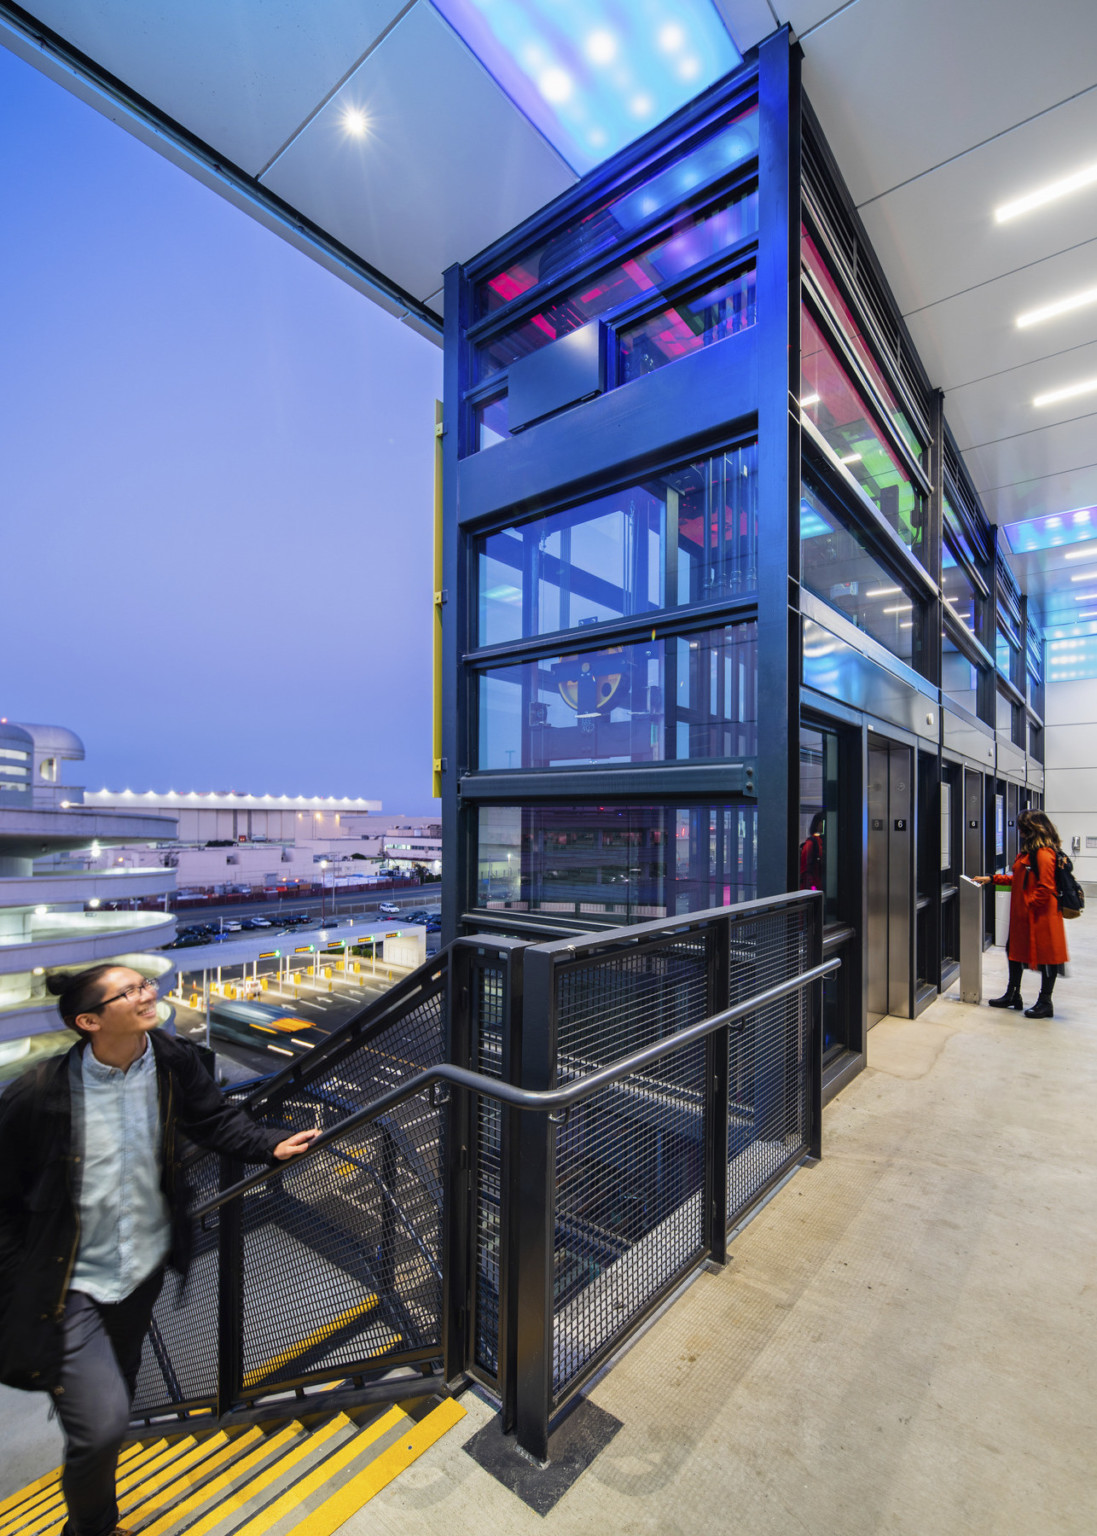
<point>628,1096</point>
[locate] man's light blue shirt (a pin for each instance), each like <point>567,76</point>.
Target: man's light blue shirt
<point>125,1228</point>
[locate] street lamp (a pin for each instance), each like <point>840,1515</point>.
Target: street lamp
<point>323,883</point>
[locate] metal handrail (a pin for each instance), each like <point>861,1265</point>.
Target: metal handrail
<point>546,1100</point>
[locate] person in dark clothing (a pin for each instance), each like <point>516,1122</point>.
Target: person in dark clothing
<point>812,866</point>
<point>93,1205</point>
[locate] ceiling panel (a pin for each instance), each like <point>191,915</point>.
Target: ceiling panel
<point>975,334</point>
<point>242,79</point>
<point>1067,445</point>
<point>748,21</point>
<point>446,166</point>
<point>937,236</point>
<point>1059,492</point>
<point>1002,406</point>
<point>900,88</point>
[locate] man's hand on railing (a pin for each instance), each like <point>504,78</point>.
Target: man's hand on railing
<point>294,1145</point>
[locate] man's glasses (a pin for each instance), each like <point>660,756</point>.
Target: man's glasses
<point>130,995</point>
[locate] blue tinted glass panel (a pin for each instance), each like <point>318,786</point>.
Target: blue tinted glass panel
<point>959,679</point>
<point>684,537</point>
<point>959,593</point>
<point>830,402</point>
<point>624,863</point>
<point>490,424</point>
<point>689,698</point>
<point>837,566</point>
<point>688,325</point>
<point>1049,532</point>
<point>604,227</point>
<point>692,240</point>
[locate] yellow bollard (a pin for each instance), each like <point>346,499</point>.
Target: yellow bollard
<point>193,1000</point>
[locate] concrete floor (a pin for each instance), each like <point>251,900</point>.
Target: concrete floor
<point>903,1343</point>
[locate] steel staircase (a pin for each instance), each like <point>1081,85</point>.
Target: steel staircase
<point>260,1480</point>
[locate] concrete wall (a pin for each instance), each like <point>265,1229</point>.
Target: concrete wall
<point>1070,740</point>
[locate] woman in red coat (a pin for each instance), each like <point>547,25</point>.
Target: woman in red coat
<point>1036,936</point>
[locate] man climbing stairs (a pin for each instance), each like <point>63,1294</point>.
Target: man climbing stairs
<point>279,1480</point>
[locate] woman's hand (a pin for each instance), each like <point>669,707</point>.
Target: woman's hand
<point>294,1145</point>
<point>982,879</point>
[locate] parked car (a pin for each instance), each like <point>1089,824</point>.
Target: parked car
<point>261,922</point>
<point>233,927</point>
<point>389,909</point>
<point>434,924</point>
<point>187,941</point>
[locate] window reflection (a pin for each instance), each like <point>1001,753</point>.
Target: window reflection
<point>959,677</point>
<point>817,268</point>
<point>693,240</point>
<point>829,400</point>
<point>687,536</point>
<point>836,565</point>
<point>689,325</point>
<point>603,227</point>
<point>959,592</point>
<point>688,698</point>
<point>626,863</point>
<point>819,829</point>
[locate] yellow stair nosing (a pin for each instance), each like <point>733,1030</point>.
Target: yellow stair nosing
<point>48,1513</point>
<point>270,1446</point>
<point>47,1487</point>
<point>184,1470</point>
<point>239,1499</point>
<point>315,1476</point>
<point>337,1510</point>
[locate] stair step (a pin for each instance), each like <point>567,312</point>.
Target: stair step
<point>45,1518</point>
<point>336,1510</point>
<point>18,1511</point>
<point>302,1346</point>
<point>290,1462</point>
<point>149,1501</point>
<point>238,1475</point>
<point>331,1466</point>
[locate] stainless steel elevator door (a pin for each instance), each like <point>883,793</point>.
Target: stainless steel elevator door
<point>889,934</point>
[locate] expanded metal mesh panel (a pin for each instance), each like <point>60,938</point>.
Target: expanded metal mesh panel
<point>767,1055</point>
<point>629,1161</point>
<point>341,1256</point>
<point>179,1363</point>
<point>489,1002</point>
<point>341,1260</point>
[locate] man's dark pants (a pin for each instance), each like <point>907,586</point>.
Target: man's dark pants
<point>102,1355</point>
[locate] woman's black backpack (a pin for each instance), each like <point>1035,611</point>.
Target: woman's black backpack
<point>1070,895</point>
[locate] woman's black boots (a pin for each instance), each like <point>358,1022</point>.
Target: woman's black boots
<point>1011,997</point>
<point>1041,1008</point>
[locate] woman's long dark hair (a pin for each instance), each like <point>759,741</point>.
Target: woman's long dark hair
<point>1037,831</point>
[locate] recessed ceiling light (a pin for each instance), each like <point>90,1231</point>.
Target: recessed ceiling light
<point>1085,597</point>
<point>1088,615</point>
<point>1060,307</point>
<point>355,122</point>
<point>1046,194</point>
<point>1080,554</point>
<point>1082,576</point>
<point>601,46</point>
<point>1068,392</point>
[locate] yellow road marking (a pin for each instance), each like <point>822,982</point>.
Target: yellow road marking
<point>337,1510</point>
<point>328,1468</point>
<point>237,1501</point>
<point>210,1490</point>
<point>288,1355</point>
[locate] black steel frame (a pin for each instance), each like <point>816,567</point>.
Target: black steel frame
<point>526,982</point>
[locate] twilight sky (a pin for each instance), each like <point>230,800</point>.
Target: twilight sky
<point>216,468</point>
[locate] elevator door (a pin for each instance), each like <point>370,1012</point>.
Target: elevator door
<point>890,881</point>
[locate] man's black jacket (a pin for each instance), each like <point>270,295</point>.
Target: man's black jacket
<point>39,1191</point>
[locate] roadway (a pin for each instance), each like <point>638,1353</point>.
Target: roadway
<point>429,897</point>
